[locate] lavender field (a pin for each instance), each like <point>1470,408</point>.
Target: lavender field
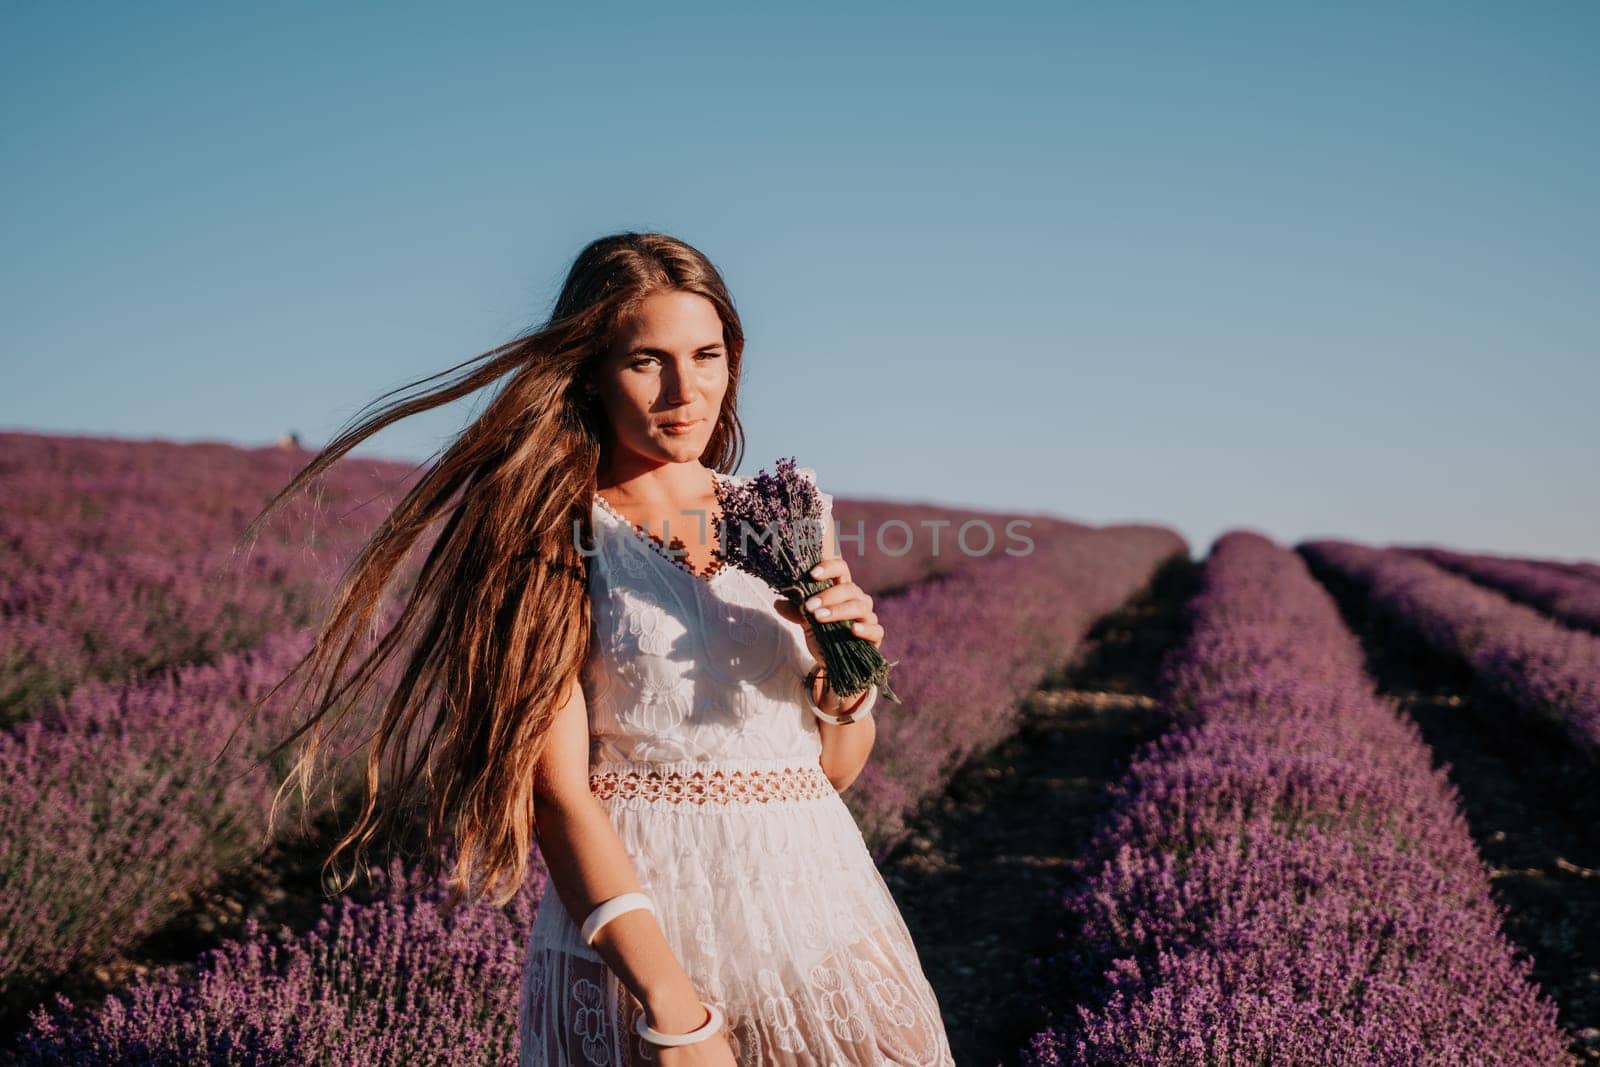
<point>1327,803</point>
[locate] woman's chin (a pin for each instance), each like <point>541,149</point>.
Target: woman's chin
<point>681,447</point>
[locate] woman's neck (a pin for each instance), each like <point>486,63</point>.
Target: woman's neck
<point>664,487</point>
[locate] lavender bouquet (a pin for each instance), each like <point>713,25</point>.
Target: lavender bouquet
<point>772,527</point>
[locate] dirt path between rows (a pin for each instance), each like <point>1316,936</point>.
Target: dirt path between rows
<point>1533,807</point>
<point>978,883</point>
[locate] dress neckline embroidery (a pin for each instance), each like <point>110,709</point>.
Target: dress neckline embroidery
<point>654,543</point>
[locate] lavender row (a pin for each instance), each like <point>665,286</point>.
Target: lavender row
<point>387,980</point>
<point>68,496</point>
<point>1545,670</point>
<point>972,643</point>
<point>103,619</point>
<point>113,809</point>
<point>892,546</point>
<point>1285,877</point>
<point>1569,596</point>
<point>111,575</point>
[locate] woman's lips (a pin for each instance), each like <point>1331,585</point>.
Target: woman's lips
<point>679,427</point>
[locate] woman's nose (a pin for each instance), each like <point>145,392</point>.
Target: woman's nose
<point>677,385</point>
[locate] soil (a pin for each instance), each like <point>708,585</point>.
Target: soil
<point>979,880</point>
<point>1532,800</point>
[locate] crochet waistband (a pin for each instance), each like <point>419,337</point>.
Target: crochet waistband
<point>711,781</point>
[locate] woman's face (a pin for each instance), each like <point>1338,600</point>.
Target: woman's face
<point>669,366</point>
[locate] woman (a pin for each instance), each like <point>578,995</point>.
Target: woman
<point>657,723</point>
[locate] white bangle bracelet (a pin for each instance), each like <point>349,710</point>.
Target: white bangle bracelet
<point>610,909</point>
<point>862,709</point>
<point>705,1030</point>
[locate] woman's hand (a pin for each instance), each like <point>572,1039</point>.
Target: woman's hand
<point>843,601</point>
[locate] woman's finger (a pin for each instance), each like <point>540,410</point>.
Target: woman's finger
<point>833,567</point>
<point>864,624</point>
<point>867,631</point>
<point>840,602</point>
<point>837,593</point>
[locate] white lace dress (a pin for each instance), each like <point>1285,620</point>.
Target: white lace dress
<point>706,758</point>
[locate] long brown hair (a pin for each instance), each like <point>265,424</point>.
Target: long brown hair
<point>498,623</point>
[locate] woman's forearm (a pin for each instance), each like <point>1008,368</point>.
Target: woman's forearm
<point>845,748</point>
<point>589,865</point>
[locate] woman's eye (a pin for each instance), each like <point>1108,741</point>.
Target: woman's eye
<point>643,360</point>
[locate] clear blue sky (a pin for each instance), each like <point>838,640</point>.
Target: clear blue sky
<point>1310,269</point>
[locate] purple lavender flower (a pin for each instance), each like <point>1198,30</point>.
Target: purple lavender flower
<point>772,527</point>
